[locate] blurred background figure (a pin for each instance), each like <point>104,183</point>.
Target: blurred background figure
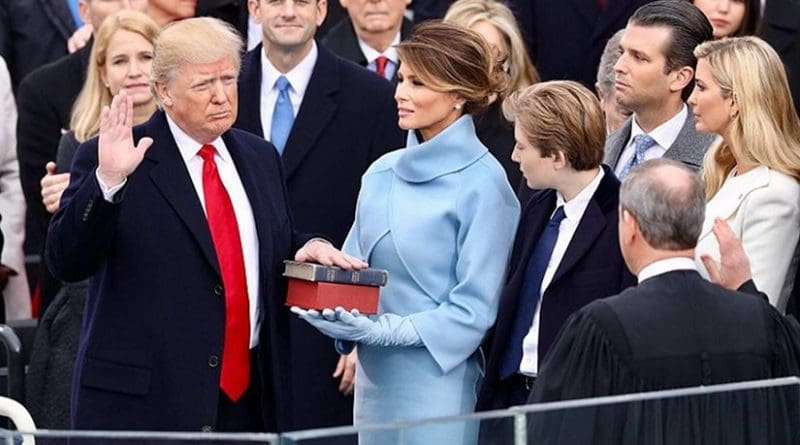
<point>780,27</point>
<point>615,114</point>
<point>751,174</point>
<point>370,33</point>
<point>164,12</point>
<point>120,59</point>
<point>440,217</point>
<point>496,23</point>
<point>13,279</point>
<point>731,18</point>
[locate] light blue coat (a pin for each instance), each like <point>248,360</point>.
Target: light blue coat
<point>441,217</point>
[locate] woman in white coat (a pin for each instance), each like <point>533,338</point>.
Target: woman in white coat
<point>751,174</point>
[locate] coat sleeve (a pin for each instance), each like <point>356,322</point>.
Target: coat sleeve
<point>454,330</point>
<point>769,234</point>
<point>83,228</point>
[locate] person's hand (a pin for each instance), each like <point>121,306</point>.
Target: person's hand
<point>346,369</point>
<point>733,269</point>
<point>79,38</point>
<point>322,252</point>
<point>5,274</point>
<point>338,324</point>
<point>117,156</point>
<point>53,185</point>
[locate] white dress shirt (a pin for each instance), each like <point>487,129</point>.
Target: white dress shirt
<point>229,176</point>
<point>664,135</point>
<point>666,265</point>
<point>298,78</point>
<point>371,54</point>
<point>573,211</point>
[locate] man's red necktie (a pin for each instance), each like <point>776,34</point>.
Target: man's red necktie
<point>380,65</point>
<point>235,375</point>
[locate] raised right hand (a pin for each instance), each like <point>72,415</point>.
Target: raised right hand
<point>117,156</point>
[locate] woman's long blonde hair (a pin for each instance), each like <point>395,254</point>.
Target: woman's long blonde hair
<point>94,95</point>
<point>766,129</point>
<point>469,12</point>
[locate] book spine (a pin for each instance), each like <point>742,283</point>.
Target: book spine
<point>361,277</point>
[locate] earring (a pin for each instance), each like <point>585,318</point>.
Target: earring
<point>458,106</point>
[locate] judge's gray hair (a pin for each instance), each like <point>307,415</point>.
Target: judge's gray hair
<point>667,200</point>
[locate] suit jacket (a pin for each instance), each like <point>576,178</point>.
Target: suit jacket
<point>335,137</point>
<point>566,38</point>
<point>780,27</point>
<point>33,33</point>
<point>45,102</point>
<point>762,207</point>
<point>689,147</point>
<point>153,330</point>
<point>592,268</point>
<point>673,330</point>
<point>343,41</point>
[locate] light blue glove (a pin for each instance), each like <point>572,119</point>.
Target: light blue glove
<point>385,330</point>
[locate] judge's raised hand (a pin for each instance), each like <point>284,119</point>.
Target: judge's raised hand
<point>733,269</point>
<point>117,156</point>
<point>320,251</point>
<point>53,185</point>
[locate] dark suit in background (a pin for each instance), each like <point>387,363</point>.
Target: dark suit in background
<point>154,324</point>
<point>33,33</point>
<point>689,147</point>
<point>45,100</point>
<point>780,27</point>
<point>566,38</point>
<point>347,119</point>
<point>673,330</point>
<point>591,268</point>
<point>232,11</point>
<point>343,41</point>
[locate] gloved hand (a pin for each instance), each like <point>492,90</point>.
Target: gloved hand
<point>385,330</point>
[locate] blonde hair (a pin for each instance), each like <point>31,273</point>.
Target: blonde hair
<point>94,95</point>
<point>467,13</point>
<point>560,115</point>
<point>766,129</point>
<point>193,41</point>
<point>451,58</point>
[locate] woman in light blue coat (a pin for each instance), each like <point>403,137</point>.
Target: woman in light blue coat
<point>440,216</point>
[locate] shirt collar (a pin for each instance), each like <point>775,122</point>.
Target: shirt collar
<point>666,265</point>
<point>189,147</point>
<point>666,133</point>
<point>371,53</point>
<point>575,207</point>
<point>298,77</point>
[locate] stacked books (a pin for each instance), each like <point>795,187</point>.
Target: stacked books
<point>314,286</point>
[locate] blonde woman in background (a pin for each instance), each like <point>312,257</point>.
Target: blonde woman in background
<point>496,23</point>
<point>751,173</point>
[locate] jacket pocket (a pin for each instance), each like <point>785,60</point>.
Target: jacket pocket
<point>116,377</point>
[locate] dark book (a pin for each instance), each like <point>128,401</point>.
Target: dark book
<point>320,295</point>
<point>332,274</point>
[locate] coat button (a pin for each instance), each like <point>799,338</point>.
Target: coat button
<point>218,289</point>
<point>206,429</point>
<point>213,361</point>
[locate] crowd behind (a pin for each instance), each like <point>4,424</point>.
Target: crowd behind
<point>511,164</point>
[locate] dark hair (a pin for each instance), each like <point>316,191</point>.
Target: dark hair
<point>451,58</point>
<point>688,25</point>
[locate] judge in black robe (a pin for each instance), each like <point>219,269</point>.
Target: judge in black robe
<point>673,330</point>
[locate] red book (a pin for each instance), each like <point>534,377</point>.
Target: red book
<point>320,295</point>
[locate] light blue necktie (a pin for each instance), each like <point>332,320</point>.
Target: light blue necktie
<point>641,144</point>
<point>282,116</point>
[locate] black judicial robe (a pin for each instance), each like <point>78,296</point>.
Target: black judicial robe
<point>673,330</point>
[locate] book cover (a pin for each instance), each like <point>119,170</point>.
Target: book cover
<point>320,295</point>
<point>332,274</point>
